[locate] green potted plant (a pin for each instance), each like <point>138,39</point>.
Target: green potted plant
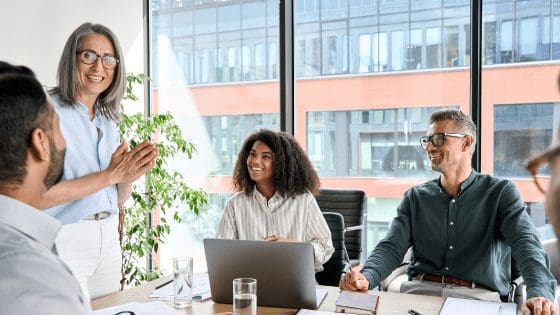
<point>161,191</point>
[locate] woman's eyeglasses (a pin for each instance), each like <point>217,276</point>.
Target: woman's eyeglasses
<point>542,160</point>
<point>437,139</point>
<point>89,57</point>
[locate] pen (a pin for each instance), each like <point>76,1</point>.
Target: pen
<point>413,312</point>
<point>348,266</point>
<point>164,284</point>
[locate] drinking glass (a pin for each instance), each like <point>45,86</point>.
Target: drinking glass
<point>245,296</point>
<point>182,281</point>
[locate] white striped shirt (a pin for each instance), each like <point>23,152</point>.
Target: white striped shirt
<point>299,218</point>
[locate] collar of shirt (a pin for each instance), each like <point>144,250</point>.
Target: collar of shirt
<point>260,198</point>
<point>97,118</point>
<point>82,109</point>
<point>464,185</point>
<point>29,221</point>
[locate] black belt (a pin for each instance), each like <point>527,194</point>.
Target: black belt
<point>443,279</point>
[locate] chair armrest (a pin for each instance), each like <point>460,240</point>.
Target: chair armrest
<point>354,228</point>
<point>517,282</point>
<point>517,291</point>
<point>400,270</point>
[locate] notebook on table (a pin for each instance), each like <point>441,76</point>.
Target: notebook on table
<point>357,302</point>
<point>458,306</point>
<point>284,271</point>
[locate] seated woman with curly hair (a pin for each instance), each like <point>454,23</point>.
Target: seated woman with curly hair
<point>275,183</point>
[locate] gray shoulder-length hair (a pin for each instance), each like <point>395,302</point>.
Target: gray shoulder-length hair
<point>109,101</point>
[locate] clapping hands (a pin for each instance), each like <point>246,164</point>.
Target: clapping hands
<point>126,165</point>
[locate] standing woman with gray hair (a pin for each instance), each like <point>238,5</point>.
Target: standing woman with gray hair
<point>98,168</point>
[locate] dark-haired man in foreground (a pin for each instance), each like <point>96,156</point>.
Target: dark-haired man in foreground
<point>33,280</point>
<point>464,228</point>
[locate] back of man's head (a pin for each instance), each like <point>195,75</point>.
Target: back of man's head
<point>23,108</point>
<point>6,68</point>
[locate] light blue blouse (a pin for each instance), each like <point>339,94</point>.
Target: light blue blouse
<point>89,146</point>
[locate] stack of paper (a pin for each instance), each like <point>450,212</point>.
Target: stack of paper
<point>457,306</point>
<point>201,289</point>
<point>313,312</point>
<point>152,308</point>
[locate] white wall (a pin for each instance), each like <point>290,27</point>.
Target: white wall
<point>33,32</point>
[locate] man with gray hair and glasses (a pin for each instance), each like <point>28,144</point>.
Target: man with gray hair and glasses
<point>464,228</point>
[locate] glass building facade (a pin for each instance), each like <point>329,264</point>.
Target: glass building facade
<point>368,75</point>
<point>233,41</point>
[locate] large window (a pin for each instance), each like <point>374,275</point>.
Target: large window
<point>521,131</point>
<point>361,127</point>
<point>369,143</point>
<point>206,54</point>
<point>368,75</point>
<point>238,40</point>
<point>519,119</point>
<point>227,133</point>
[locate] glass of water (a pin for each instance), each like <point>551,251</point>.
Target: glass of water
<point>245,296</point>
<point>182,281</point>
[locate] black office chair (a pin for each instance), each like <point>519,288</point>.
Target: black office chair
<point>351,204</point>
<point>334,267</point>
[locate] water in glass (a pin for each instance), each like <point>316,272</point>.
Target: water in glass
<point>245,304</point>
<point>182,282</point>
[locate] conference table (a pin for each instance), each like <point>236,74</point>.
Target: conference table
<point>389,302</point>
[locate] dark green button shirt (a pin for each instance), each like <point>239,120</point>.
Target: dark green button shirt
<point>470,237</point>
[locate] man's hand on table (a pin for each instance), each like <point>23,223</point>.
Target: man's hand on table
<point>539,306</point>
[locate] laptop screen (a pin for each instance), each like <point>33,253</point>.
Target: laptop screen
<point>284,271</point>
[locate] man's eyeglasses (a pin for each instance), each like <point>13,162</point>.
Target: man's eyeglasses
<point>89,57</point>
<point>437,139</point>
<point>540,161</point>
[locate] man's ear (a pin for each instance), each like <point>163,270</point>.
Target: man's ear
<point>39,145</point>
<point>468,142</point>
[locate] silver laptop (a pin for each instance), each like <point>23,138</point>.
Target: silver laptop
<point>284,271</point>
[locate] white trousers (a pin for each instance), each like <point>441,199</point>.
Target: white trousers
<point>92,251</point>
